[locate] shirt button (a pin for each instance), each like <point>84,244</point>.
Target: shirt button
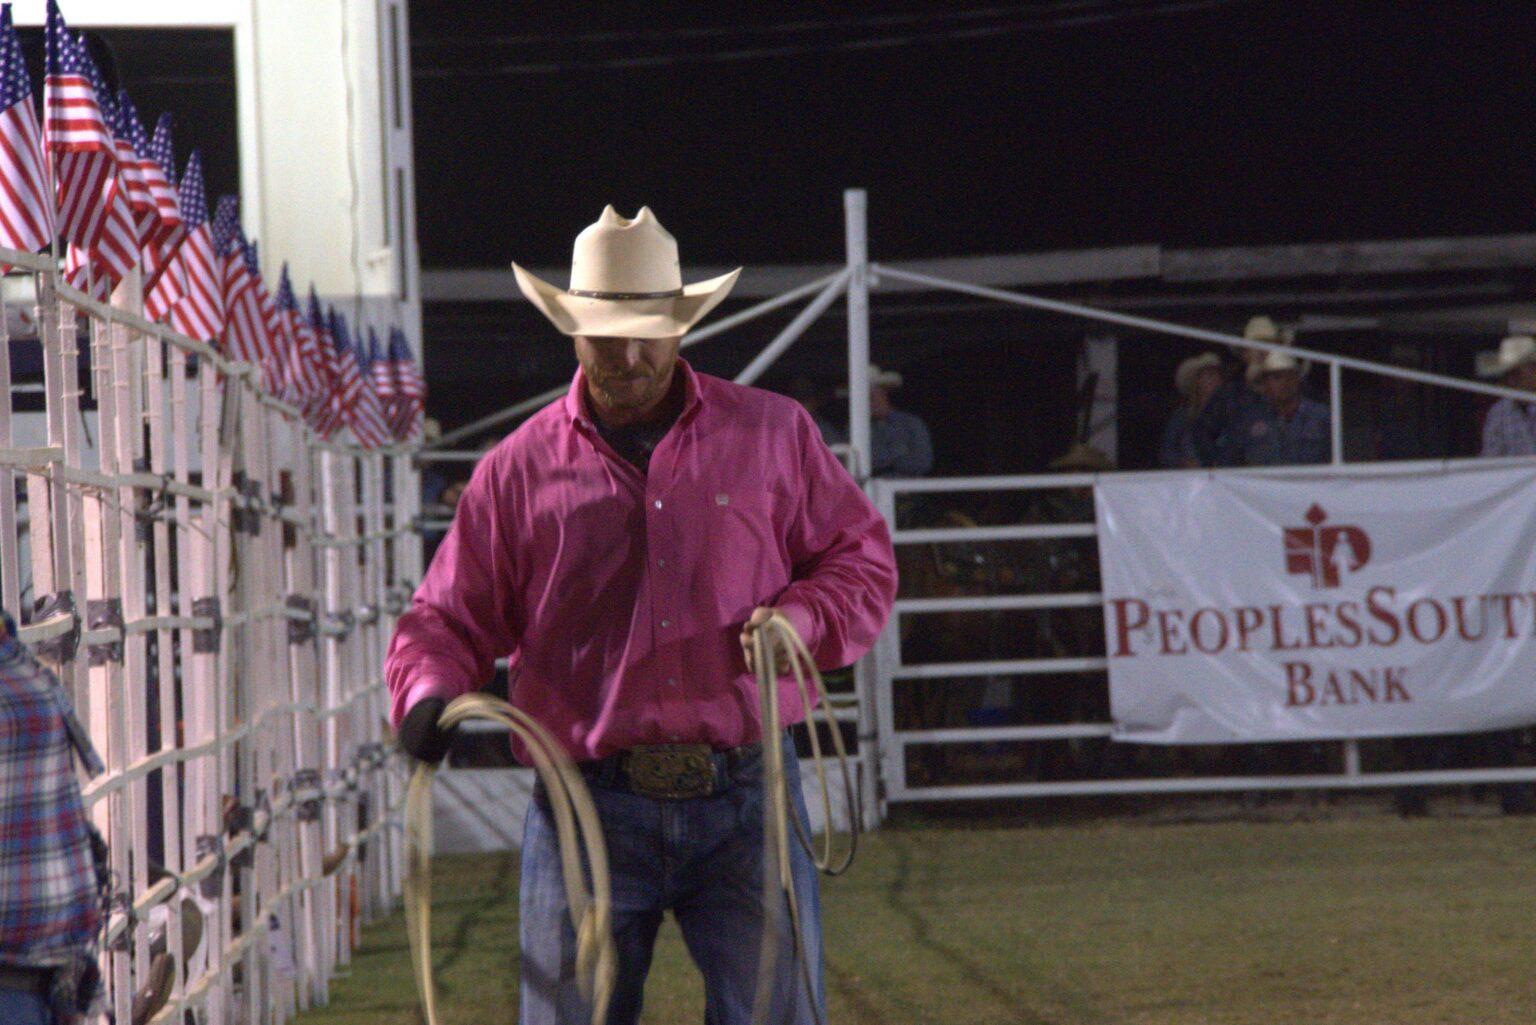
<point>671,681</point>
<point>666,623</point>
<point>658,503</point>
<point>661,562</point>
<point>674,738</point>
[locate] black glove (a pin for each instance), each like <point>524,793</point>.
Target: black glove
<point>419,734</point>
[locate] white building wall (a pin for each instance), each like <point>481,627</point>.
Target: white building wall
<point>326,177</point>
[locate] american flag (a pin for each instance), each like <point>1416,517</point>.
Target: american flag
<point>26,207</point>
<point>93,209</point>
<point>278,359</point>
<point>410,386</point>
<point>306,367</point>
<point>126,129</point>
<point>327,415</point>
<point>245,337</point>
<point>200,312</point>
<point>382,370</point>
<point>164,277</point>
<point>358,403</point>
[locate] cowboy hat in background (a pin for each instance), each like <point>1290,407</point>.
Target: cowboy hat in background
<point>626,282</point>
<point>1512,351</point>
<point>1273,362</point>
<point>1263,328</point>
<point>1184,377</point>
<point>890,380</point>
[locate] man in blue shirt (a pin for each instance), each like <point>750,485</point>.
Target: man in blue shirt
<point>1287,428</point>
<point>899,442</point>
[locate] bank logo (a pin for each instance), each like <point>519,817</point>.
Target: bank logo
<point>1325,553</point>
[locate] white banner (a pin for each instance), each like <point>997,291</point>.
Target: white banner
<point>1242,607</point>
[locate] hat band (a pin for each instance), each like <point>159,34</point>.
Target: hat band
<point>671,293</point>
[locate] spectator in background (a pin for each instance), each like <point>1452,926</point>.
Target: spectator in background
<point>1510,428</point>
<point>899,440</point>
<point>1402,429</point>
<point>813,397</point>
<point>1216,428</point>
<point>50,893</point>
<point>1197,379</point>
<point>1287,428</point>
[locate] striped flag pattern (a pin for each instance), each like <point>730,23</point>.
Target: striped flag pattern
<point>276,359</point>
<point>93,210</point>
<point>200,311</point>
<point>353,393</point>
<point>410,386</point>
<point>245,336</point>
<point>164,277</point>
<point>327,412</point>
<point>130,170</point>
<point>26,208</point>
<point>381,369</point>
<point>306,367</point>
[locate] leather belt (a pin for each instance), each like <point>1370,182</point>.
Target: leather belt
<point>671,772</point>
<point>36,981</point>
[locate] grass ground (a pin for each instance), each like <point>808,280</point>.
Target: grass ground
<point>1374,920</point>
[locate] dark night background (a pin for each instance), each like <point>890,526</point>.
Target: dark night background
<point>976,128</point>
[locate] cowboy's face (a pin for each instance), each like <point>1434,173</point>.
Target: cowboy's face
<point>1280,386</point>
<point>1206,382</point>
<point>879,401</point>
<point>1522,377</point>
<point>627,375</point>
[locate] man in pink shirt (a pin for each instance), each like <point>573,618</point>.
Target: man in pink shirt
<point>619,549</point>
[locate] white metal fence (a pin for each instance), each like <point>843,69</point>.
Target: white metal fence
<point>216,586</point>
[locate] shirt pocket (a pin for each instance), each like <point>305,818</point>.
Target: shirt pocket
<point>746,560</point>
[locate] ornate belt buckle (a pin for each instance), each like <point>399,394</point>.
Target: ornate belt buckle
<point>671,771</point>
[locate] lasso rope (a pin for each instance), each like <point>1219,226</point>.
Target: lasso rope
<point>778,879</point>
<point>591,910</point>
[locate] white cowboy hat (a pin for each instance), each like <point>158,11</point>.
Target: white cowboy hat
<point>1512,351</point>
<point>1264,329</point>
<point>1274,362</point>
<point>1184,377</point>
<point>625,283</point>
<point>887,379</point>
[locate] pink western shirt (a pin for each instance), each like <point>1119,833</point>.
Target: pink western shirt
<point>619,596</point>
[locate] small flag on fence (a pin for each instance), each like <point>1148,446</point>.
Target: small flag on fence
<point>306,367</point>
<point>276,360</point>
<point>358,404</point>
<point>26,207</point>
<point>165,280</point>
<point>382,370</point>
<point>410,386</point>
<point>146,212</point>
<point>94,212</point>
<point>200,312</point>
<point>328,416</point>
<point>245,337</point>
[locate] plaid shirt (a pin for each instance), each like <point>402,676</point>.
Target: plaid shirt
<point>49,909</point>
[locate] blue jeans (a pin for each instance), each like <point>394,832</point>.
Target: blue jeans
<point>18,1007</point>
<point>702,859</point>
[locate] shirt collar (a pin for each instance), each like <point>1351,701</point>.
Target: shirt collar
<point>575,408</point>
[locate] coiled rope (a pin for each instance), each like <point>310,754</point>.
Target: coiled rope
<point>778,879</point>
<point>591,909</point>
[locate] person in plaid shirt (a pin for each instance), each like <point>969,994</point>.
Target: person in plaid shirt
<point>50,908</point>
